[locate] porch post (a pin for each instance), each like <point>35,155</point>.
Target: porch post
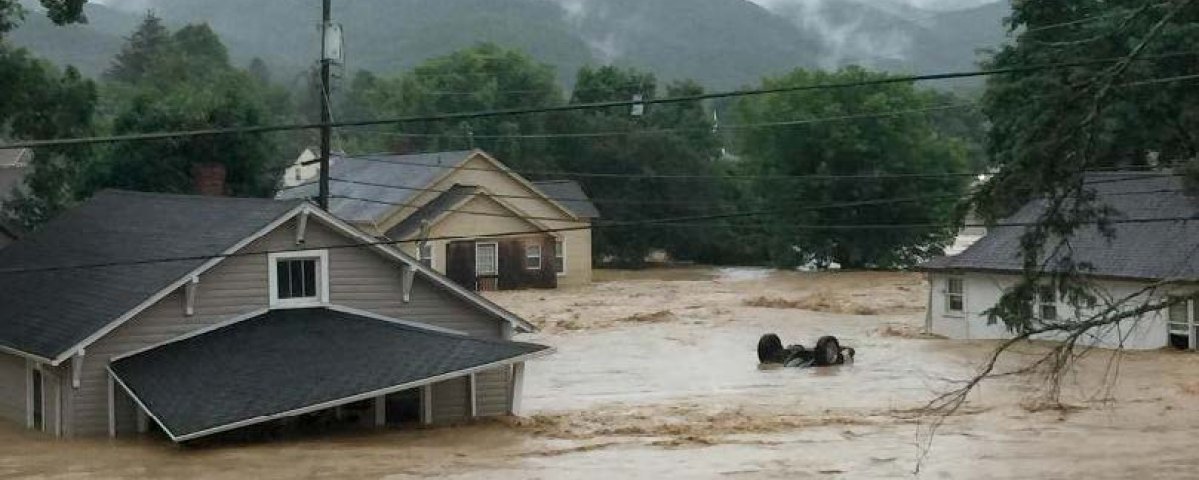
<point>472,395</point>
<point>112,408</point>
<point>518,384</point>
<point>381,411</point>
<point>426,404</point>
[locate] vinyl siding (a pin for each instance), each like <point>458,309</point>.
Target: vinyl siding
<point>482,173</point>
<point>359,278</point>
<point>12,396</point>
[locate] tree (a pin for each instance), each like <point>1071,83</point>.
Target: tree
<point>61,12</point>
<point>666,140</point>
<point>485,77</point>
<point>44,103</point>
<point>146,46</point>
<point>167,81</point>
<point>882,145</point>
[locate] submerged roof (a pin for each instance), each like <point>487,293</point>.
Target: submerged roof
<point>1155,250</point>
<point>403,176</point>
<point>47,311</point>
<point>287,362</point>
<point>571,195</point>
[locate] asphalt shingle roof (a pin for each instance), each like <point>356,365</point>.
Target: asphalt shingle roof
<point>45,313</point>
<point>1142,251</point>
<point>571,195</point>
<point>409,172</point>
<point>450,200</point>
<point>285,360</point>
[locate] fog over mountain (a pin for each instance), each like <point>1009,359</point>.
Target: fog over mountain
<point>722,43</point>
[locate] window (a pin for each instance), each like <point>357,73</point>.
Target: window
<point>533,257</point>
<point>559,257</point>
<point>299,278</point>
<point>486,259</point>
<point>426,254</point>
<point>955,295</point>
<point>1183,324</point>
<point>1046,303</point>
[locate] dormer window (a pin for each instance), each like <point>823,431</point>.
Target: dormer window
<point>299,279</point>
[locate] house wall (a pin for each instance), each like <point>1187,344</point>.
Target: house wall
<point>982,291</point>
<point>12,396</point>
<point>358,277</point>
<point>577,243</point>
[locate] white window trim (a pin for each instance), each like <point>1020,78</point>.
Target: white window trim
<point>528,257</point>
<point>945,298</point>
<point>560,248</point>
<point>1038,303</point>
<point>1189,324</point>
<point>496,248</point>
<point>420,254</point>
<point>322,279</point>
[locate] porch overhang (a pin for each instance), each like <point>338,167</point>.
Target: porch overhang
<point>283,363</point>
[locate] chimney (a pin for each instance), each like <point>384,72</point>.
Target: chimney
<point>209,178</point>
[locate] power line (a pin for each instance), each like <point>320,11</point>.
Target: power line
<point>572,107</point>
<point>640,223</point>
<point>650,131</point>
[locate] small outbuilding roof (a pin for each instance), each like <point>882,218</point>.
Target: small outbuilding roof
<point>1154,250</point>
<point>46,310</point>
<point>287,362</point>
<point>571,195</point>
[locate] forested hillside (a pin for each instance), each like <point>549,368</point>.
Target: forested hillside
<point>721,43</point>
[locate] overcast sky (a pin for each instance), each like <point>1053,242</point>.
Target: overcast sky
<point>931,4</point>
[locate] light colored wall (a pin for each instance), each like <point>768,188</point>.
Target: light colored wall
<point>13,395</point>
<point>578,243</point>
<point>359,278</point>
<point>984,290</point>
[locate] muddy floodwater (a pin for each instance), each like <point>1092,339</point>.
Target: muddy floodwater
<point>656,377</point>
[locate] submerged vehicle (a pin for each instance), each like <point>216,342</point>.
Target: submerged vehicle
<point>828,351</point>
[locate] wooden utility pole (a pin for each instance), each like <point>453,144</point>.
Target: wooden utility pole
<point>326,115</point>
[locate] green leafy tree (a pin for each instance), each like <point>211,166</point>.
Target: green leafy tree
<point>882,145</point>
<point>665,140</point>
<point>166,81</point>
<point>485,77</point>
<point>44,103</point>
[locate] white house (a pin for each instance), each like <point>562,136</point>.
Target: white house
<point>1139,254</point>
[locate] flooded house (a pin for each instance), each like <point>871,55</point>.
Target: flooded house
<point>489,227</point>
<point>1138,255</point>
<point>195,315</point>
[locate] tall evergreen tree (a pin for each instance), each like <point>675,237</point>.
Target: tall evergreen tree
<point>147,45</point>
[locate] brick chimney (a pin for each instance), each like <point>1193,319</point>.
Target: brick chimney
<point>209,178</point>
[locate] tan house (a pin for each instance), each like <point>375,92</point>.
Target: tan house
<point>193,316</point>
<point>491,227</point>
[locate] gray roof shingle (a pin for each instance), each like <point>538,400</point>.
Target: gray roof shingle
<point>1141,251</point>
<point>411,173</point>
<point>47,312</point>
<point>286,360</point>
<point>452,199</point>
<point>571,195</point>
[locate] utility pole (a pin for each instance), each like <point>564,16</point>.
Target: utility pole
<point>326,115</point>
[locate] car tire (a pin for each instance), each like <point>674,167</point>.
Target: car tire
<point>770,349</point>
<point>827,351</point>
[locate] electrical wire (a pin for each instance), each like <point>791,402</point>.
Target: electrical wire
<point>576,106</point>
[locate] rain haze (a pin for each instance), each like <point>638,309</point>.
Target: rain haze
<point>596,239</point>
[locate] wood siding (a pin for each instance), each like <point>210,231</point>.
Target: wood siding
<point>13,395</point>
<point>513,273</point>
<point>358,277</point>
<point>480,172</point>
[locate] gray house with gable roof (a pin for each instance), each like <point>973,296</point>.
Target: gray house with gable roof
<point>199,315</point>
<point>1138,255</point>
